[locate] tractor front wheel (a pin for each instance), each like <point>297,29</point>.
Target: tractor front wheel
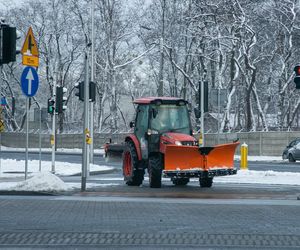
<point>155,170</point>
<point>133,176</point>
<point>206,182</point>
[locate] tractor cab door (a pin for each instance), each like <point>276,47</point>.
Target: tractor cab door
<point>141,127</point>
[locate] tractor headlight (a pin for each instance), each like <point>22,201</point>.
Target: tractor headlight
<point>178,143</point>
<point>152,132</point>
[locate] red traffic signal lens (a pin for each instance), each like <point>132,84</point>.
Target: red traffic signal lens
<point>297,70</point>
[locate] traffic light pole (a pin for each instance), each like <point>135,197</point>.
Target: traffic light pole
<point>92,80</point>
<point>218,97</point>
<point>53,139</point>
<point>202,113</point>
<point>85,151</point>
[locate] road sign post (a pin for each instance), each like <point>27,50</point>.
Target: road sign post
<point>29,85</point>
<point>27,129</point>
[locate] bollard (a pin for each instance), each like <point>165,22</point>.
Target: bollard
<point>244,156</point>
<point>200,141</point>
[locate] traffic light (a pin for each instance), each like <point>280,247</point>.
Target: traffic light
<point>8,36</point>
<point>198,97</point>
<point>80,92</point>
<point>61,99</point>
<point>297,76</point>
<point>92,90</point>
<point>50,107</point>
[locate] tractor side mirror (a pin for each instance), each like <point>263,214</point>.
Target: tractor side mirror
<point>189,106</point>
<point>131,124</point>
<point>197,113</point>
<point>153,112</point>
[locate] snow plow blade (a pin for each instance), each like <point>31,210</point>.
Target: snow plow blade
<point>113,152</point>
<point>192,158</point>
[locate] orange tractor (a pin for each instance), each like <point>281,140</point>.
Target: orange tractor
<point>162,142</point>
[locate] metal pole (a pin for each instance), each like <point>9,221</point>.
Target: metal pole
<point>40,142</point>
<point>85,161</point>
<point>218,115</point>
<point>92,79</point>
<point>0,138</point>
<point>160,91</point>
<point>202,113</point>
<point>0,151</point>
<point>53,141</point>
<point>27,128</point>
<point>161,68</point>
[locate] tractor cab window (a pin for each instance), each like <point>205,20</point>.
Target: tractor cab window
<point>170,118</point>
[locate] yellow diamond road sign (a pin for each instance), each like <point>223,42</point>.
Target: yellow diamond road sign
<point>30,50</point>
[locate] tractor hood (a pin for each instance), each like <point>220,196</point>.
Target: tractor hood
<point>171,138</point>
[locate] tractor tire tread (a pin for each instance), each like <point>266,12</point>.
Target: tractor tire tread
<point>155,171</point>
<point>205,182</point>
<point>137,177</point>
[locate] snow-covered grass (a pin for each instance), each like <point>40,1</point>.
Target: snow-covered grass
<point>261,177</point>
<point>42,181</point>
<point>14,168</point>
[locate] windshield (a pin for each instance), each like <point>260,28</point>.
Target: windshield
<point>170,118</point>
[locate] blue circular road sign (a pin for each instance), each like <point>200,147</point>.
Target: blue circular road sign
<point>29,81</point>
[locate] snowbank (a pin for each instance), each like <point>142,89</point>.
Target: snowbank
<point>39,182</point>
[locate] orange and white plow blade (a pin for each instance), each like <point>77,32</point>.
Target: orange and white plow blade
<point>190,158</point>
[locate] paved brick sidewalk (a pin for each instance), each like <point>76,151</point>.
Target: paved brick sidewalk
<point>60,222</point>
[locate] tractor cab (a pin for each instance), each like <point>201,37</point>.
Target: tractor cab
<point>161,121</point>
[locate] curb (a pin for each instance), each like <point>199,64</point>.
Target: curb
<point>108,171</point>
<point>31,193</point>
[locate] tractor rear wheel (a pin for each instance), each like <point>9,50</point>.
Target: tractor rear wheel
<point>180,181</point>
<point>155,170</point>
<point>206,182</point>
<point>133,176</point>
